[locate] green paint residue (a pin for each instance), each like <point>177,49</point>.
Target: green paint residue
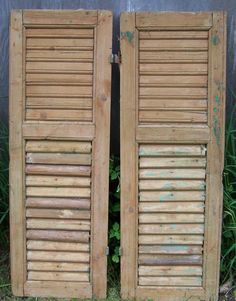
<point>215,40</point>
<point>151,174</point>
<point>217,99</point>
<point>216,129</point>
<point>167,196</point>
<point>215,110</point>
<point>128,35</point>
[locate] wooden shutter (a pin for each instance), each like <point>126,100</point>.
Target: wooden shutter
<point>59,151</point>
<point>172,149</point>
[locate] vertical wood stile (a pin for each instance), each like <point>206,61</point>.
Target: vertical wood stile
<point>101,153</point>
<point>217,90</point>
<point>128,155</point>
<point>17,218</point>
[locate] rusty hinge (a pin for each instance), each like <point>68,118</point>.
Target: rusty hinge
<point>115,58</point>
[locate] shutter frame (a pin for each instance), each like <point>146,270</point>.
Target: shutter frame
<point>133,134</point>
<point>23,129</point>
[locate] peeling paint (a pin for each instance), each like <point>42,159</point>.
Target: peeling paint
<point>127,35</point>
<point>216,129</point>
<point>220,85</point>
<point>215,40</point>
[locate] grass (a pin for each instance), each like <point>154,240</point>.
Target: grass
<point>228,250</point>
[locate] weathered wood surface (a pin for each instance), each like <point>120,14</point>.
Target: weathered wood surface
<point>60,127</point>
<point>173,111</point>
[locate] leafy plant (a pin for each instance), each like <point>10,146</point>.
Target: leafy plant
<point>228,250</point>
<point>114,216</point>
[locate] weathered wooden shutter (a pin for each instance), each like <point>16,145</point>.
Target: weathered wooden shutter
<point>59,151</point>
<point>172,146</point>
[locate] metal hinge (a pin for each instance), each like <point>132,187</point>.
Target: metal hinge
<point>107,251</point>
<point>115,58</point>
<point>120,251</point>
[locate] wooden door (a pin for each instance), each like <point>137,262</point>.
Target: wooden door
<point>60,80</point>
<point>172,149</point>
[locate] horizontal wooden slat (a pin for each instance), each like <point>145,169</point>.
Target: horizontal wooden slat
<point>187,196</point>
<point>173,56</point>
<point>58,158</point>
<point>173,44</point>
<point>53,114</point>
<point>58,256</point>
<point>58,289</point>
<point>60,32</point>
<point>171,162</point>
<point>57,266</point>
<point>65,131</point>
<point>171,228</point>
<point>57,246</point>
<point>172,116</point>
<point>58,91</point>
<point>175,35</point>
<point>173,81</point>
<point>170,249</point>
<point>170,207</point>
<point>195,207</point>
<point>58,276</point>
<point>59,103</point>
<point>59,79</point>
<point>64,236</point>
<point>176,20</point>
<point>58,192</point>
<point>58,146</point>
<point>59,55</point>
<point>63,17</point>
<point>151,173</point>
<point>171,185</point>
<point>175,92</point>
<point>170,259</point>
<point>173,281</point>
<point>165,292</point>
<point>57,213</point>
<point>66,203</point>
<point>57,181</point>
<point>173,133</point>
<point>170,218</point>
<point>62,67</point>
<point>170,270</point>
<point>171,150</point>
<point>173,104</point>
<point>57,224</point>
<point>177,68</point>
<point>171,239</point>
<point>49,169</point>
<point>59,43</point>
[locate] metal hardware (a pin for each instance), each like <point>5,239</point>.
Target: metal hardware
<point>107,251</point>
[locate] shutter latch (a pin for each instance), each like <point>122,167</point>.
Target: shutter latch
<point>115,58</point>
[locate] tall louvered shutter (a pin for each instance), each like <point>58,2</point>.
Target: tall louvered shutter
<point>59,151</point>
<point>172,137</point>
